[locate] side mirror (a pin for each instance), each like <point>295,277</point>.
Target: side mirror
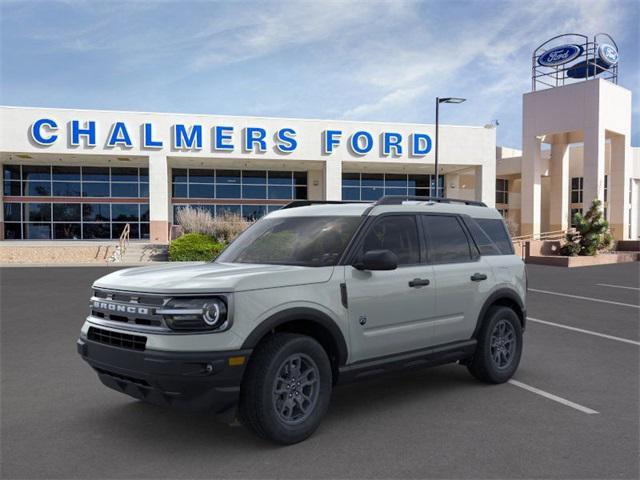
<point>377,260</point>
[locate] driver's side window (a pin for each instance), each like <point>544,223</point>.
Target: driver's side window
<point>398,233</point>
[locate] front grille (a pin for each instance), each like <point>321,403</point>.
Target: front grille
<point>117,339</point>
<point>130,308</point>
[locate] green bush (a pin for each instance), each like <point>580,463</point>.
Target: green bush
<point>193,247</point>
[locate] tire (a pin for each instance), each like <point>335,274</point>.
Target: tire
<point>273,406</point>
<point>497,358</point>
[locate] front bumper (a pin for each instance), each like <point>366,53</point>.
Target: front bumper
<point>189,380</point>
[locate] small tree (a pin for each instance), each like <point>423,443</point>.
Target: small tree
<point>592,233</point>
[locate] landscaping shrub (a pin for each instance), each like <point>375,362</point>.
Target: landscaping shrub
<point>194,247</point>
<point>224,228</point>
<point>592,233</point>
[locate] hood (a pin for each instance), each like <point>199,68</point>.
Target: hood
<point>202,277</point>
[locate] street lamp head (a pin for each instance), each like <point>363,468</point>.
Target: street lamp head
<point>451,100</point>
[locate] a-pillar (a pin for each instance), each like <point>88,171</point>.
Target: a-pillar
<point>593,166</point>
<point>159,198</point>
<point>333,179</point>
<point>485,183</point>
<point>618,188</point>
<point>559,201</point>
<point>531,186</point>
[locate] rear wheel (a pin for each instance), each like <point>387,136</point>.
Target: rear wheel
<point>286,389</point>
<point>499,346</point>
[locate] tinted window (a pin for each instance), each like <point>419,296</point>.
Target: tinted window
<point>446,240</point>
<point>484,243</point>
<point>396,233</point>
<point>498,233</point>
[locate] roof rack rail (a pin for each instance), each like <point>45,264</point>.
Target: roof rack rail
<point>398,199</point>
<point>306,203</point>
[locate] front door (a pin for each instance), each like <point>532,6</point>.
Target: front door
<point>391,311</point>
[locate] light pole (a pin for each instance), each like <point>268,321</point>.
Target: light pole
<point>438,102</point>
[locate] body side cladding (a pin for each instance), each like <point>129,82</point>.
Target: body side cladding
<point>303,317</point>
<point>427,357</point>
<point>506,297</point>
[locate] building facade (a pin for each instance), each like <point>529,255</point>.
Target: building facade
<point>84,174</point>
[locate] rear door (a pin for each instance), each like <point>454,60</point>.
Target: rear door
<point>462,277</point>
<point>391,311</point>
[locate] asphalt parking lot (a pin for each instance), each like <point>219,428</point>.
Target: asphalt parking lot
<point>572,411</point>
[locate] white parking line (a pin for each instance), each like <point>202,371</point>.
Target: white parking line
<point>589,332</point>
<point>616,286</point>
<point>553,397</point>
<point>584,298</point>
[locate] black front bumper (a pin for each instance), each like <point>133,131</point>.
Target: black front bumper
<point>190,380</point>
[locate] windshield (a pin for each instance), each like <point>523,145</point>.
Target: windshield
<point>304,241</point>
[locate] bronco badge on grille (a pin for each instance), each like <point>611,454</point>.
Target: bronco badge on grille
<point>119,307</point>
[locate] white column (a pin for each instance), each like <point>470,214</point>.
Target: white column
<point>315,184</point>
<point>531,186</point>
<point>159,198</point>
<point>618,190</point>
<point>485,183</point>
<point>332,179</point>
<point>593,166</point>
<point>559,204</point>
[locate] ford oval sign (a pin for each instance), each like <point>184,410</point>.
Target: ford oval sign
<point>560,55</point>
<point>608,54</point>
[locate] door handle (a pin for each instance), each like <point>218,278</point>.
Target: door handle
<point>418,282</point>
<point>478,277</point>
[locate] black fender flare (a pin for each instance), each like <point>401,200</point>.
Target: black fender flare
<point>495,297</point>
<point>296,314</point>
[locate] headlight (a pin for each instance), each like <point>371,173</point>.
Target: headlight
<point>196,314</point>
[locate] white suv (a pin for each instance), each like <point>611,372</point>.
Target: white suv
<point>309,296</point>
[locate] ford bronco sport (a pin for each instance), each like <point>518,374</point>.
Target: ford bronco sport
<point>309,296</point>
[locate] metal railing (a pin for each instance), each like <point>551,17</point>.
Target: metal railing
<point>123,243</point>
<point>552,235</point>
<point>520,242</point>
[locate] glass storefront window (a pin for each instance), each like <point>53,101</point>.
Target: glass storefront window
<point>129,190</point>
<point>124,212</point>
<point>96,212</point>
<point>37,189</point>
<point>372,186</point>
<point>196,184</point>
<point>95,189</point>
<point>66,212</point>
<point>74,219</point>
<point>66,173</point>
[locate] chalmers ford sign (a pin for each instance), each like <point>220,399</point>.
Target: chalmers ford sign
<point>220,138</point>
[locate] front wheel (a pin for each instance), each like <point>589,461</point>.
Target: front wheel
<point>499,346</point>
<point>287,388</point>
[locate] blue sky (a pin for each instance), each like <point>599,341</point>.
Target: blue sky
<point>355,60</point>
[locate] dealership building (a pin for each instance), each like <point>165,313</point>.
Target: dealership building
<point>81,174</point>
<point>86,174</point>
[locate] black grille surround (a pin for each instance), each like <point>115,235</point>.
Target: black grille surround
<point>117,339</point>
<point>128,308</point>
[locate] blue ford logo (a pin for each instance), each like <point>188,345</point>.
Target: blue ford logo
<point>560,55</point>
<point>608,54</point>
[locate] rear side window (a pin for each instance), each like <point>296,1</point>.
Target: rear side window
<point>494,227</point>
<point>446,240</point>
<point>484,243</point>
